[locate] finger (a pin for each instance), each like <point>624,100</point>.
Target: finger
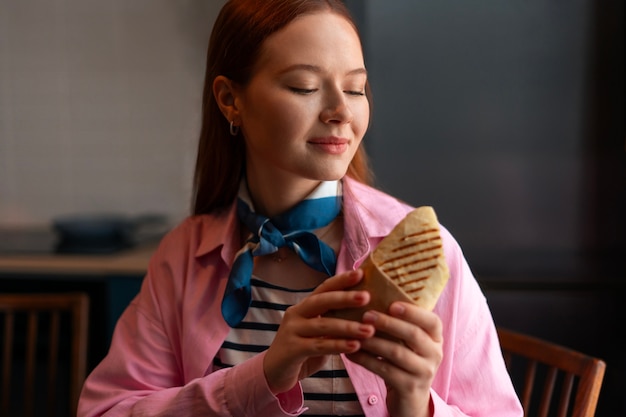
<point>318,304</point>
<point>340,282</point>
<point>413,336</point>
<point>334,328</point>
<point>393,353</point>
<point>426,320</point>
<point>390,360</point>
<point>383,367</point>
<point>320,346</point>
<point>394,376</point>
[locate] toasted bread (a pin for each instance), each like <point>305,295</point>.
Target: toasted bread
<point>408,265</point>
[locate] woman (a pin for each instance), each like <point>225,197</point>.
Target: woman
<point>229,320</point>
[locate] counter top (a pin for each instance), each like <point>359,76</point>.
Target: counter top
<point>132,261</point>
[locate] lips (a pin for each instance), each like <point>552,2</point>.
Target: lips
<point>331,144</point>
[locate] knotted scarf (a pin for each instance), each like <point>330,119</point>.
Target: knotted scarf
<point>293,229</point>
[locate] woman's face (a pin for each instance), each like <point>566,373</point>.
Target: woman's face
<point>304,112</point>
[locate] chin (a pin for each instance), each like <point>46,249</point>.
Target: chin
<point>330,176</point>
<point>325,171</point>
<point>317,177</point>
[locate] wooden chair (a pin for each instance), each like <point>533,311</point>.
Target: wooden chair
<point>50,328</point>
<point>531,359</point>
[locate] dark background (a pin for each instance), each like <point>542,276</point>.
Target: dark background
<point>508,119</point>
<point>506,116</point>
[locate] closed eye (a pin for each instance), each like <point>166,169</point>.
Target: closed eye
<point>355,93</point>
<point>303,91</point>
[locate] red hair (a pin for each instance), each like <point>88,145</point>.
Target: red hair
<point>234,47</point>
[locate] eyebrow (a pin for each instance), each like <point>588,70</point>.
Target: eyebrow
<point>317,69</point>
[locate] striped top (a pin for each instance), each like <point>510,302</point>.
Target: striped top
<point>329,392</point>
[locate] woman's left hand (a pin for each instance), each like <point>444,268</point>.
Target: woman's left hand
<point>407,368</point>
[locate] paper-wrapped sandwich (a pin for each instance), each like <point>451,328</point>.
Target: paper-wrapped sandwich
<point>407,265</point>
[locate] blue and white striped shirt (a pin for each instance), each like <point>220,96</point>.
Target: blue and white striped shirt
<point>329,392</point>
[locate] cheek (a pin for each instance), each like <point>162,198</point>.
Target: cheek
<point>278,117</point>
<point>361,119</point>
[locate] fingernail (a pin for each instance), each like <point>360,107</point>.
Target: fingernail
<point>360,296</point>
<point>370,317</point>
<point>353,345</point>
<point>365,328</point>
<point>397,308</point>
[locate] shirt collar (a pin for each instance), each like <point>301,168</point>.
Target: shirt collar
<point>369,215</point>
<point>218,230</point>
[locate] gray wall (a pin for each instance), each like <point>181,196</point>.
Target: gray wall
<point>508,118</point>
<point>99,105</point>
<point>483,110</point>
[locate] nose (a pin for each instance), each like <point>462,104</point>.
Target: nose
<point>336,108</point>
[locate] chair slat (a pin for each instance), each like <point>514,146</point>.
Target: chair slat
<point>42,312</point>
<point>80,314</point>
<point>53,356</point>
<point>7,362</point>
<point>529,383</point>
<point>546,393</point>
<point>31,363</point>
<point>575,373</point>
<point>566,394</point>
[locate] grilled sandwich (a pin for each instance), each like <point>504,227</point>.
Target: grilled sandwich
<point>408,265</point>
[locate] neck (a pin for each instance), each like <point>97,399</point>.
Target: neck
<point>274,197</point>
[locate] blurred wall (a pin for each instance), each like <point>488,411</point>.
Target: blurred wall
<point>507,117</point>
<point>99,105</point>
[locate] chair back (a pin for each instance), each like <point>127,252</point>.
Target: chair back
<point>44,352</point>
<point>539,368</point>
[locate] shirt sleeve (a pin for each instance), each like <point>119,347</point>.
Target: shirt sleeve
<point>144,372</point>
<point>472,379</point>
<point>138,378</point>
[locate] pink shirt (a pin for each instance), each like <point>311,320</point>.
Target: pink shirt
<point>160,359</point>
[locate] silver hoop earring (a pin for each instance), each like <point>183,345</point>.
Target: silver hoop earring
<point>233,129</point>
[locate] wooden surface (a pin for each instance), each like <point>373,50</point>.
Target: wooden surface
<point>581,375</point>
<point>133,261</point>
<point>33,307</point>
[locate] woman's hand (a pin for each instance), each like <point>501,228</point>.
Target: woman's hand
<point>408,368</point>
<point>304,338</point>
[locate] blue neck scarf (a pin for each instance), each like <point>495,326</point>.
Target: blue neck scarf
<point>292,229</point>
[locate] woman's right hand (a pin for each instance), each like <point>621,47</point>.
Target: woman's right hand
<point>305,338</point>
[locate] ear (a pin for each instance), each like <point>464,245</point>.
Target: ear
<point>225,93</point>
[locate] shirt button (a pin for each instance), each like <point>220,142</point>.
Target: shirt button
<point>372,400</point>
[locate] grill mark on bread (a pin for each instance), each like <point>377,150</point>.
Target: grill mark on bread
<point>412,281</point>
<point>414,258</point>
<point>417,273</point>
<point>413,293</point>
<point>418,265</point>
<point>412,275</point>
<point>423,232</point>
<point>419,242</point>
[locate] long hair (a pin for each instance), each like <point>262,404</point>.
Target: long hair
<point>234,47</point>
